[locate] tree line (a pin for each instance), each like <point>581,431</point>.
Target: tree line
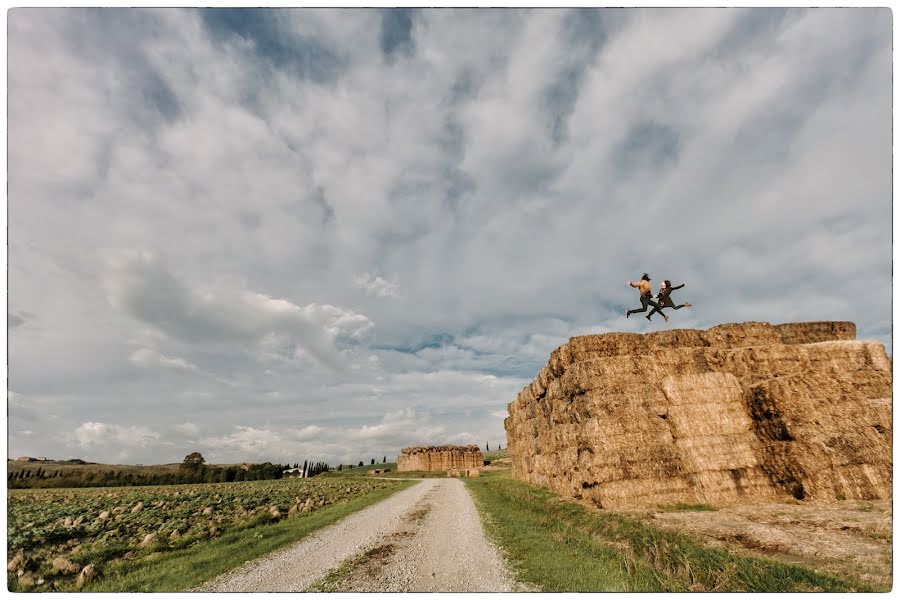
<point>192,470</point>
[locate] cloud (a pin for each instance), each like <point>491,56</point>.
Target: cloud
<point>187,428</point>
<point>92,434</point>
<point>147,358</point>
<point>140,285</point>
<point>426,202</point>
<point>376,286</point>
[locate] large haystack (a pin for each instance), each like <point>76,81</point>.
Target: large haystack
<point>439,458</point>
<point>738,412</point>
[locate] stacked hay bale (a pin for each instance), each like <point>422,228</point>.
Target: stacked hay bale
<point>734,413</point>
<point>439,458</point>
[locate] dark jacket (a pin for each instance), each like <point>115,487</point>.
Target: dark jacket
<point>663,294</point>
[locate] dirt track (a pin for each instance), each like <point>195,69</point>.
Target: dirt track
<point>428,538</point>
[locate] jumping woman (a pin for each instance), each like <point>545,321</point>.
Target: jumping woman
<point>664,301</point>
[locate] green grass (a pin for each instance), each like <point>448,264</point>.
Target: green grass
<point>361,471</point>
<point>414,474</point>
<point>560,546</point>
<point>191,566</point>
<point>496,454</point>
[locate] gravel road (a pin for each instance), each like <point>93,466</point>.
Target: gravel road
<point>428,538</point>
<point>441,548</point>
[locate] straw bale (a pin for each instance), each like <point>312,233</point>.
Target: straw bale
<point>816,331</point>
<point>741,335</point>
<point>738,412</point>
<point>439,458</point>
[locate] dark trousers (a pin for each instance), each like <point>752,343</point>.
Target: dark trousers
<point>666,302</point>
<point>646,300</point>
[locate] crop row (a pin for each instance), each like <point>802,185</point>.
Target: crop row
<point>61,536</point>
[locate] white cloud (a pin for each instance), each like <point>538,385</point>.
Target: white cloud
<point>148,358</point>
<point>511,171</point>
<point>140,285</point>
<point>377,286</point>
<point>92,434</point>
<point>187,428</point>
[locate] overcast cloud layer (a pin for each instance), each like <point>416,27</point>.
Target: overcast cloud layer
<point>329,234</point>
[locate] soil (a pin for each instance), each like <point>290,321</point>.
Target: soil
<point>849,538</point>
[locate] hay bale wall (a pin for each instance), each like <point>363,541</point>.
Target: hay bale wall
<point>735,413</point>
<point>439,458</point>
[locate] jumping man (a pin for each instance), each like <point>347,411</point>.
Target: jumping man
<point>646,296</point>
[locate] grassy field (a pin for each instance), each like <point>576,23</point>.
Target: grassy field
<point>140,538</point>
<point>496,455</point>
<point>363,470</point>
<point>52,467</point>
<point>560,546</point>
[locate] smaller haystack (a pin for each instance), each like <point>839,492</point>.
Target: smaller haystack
<point>440,458</point>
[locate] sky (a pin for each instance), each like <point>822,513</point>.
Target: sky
<point>329,234</point>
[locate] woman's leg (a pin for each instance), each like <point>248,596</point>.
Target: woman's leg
<point>673,307</point>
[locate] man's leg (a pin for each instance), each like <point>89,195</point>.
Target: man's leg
<point>645,301</point>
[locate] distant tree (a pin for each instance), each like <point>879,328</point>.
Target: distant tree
<point>373,461</point>
<point>487,447</point>
<point>193,462</point>
<point>194,458</point>
<point>304,469</point>
<point>384,460</point>
<point>360,463</point>
<point>340,467</point>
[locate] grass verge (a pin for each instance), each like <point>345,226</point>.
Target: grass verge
<point>189,567</point>
<point>560,546</point>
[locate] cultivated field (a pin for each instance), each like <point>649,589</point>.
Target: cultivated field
<point>66,538</point>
